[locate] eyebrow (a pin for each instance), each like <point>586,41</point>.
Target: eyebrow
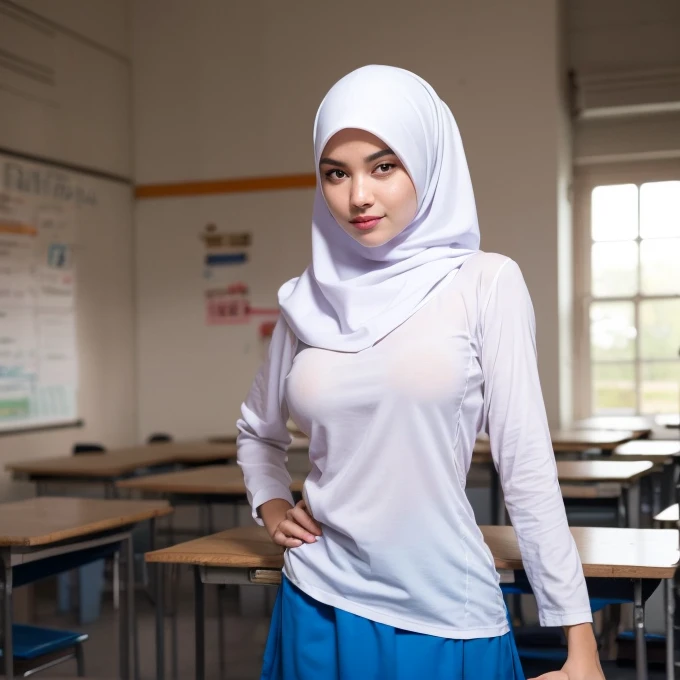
<point>368,159</point>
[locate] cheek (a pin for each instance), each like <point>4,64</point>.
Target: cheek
<point>336,200</point>
<point>402,201</point>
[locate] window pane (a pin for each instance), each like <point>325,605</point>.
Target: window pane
<point>660,390</point>
<point>614,269</point>
<point>660,209</point>
<point>614,212</point>
<point>660,266</point>
<point>613,389</point>
<point>612,331</point>
<point>659,329</point>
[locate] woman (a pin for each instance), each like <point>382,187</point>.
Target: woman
<point>396,346</point>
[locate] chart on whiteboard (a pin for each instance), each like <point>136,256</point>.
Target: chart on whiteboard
<point>38,358</point>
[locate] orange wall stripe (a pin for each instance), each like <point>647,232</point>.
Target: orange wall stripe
<point>226,186</point>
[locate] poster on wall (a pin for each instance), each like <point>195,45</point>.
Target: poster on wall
<point>227,298</point>
<point>38,355</point>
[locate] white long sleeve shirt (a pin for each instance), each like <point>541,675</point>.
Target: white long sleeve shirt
<point>392,430</point>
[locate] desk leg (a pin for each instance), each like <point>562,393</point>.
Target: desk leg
<point>130,596</point>
<point>199,624</point>
<point>123,630</point>
<point>640,642</point>
<point>221,651</point>
<point>175,576</point>
<point>160,622</point>
<point>670,632</point>
<point>633,497</point>
<point>7,644</point>
<point>657,491</point>
<point>127,619</point>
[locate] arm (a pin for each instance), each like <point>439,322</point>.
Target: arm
<point>263,436</point>
<point>262,444</point>
<point>515,419</point>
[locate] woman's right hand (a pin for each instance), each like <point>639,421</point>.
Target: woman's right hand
<point>289,526</point>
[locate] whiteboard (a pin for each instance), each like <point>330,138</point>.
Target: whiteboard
<point>40,206</point>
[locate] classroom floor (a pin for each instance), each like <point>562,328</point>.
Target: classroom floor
<point>246,637</point>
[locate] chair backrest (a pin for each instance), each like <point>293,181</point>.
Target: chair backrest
<point>81,447</point>
<point>159,438</point>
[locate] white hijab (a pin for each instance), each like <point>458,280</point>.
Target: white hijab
<point>353,295</point>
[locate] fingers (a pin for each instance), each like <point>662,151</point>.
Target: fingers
<point>299,527</point>
<point>301,515</point>
<point>291,535</point>
<point>281,539</point>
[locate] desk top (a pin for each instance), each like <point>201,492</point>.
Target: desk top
<point>641,425</point>
<point>565,441</point>
<point>44,520</point>
<point>672,420</point>
<point>607,553</point>
<point>602,470</point>
<point>209,479</point>
<point>118,462</point>
<point>670,514</point>
<point>647,449</point>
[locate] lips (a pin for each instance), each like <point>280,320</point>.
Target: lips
<point>365,222</point>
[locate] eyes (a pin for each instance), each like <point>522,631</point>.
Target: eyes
<point>381,170</point>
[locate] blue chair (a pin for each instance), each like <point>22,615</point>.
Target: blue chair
<point>37,649</point>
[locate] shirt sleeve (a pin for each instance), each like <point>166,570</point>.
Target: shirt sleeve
<point>263,434</point>
<point>517,425</point>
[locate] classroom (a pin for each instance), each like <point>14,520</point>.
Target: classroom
<point>340,341</point>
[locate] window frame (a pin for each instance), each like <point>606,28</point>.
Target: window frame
<point>585,179</point>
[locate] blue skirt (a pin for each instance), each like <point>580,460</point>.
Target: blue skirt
<point>309,640</point>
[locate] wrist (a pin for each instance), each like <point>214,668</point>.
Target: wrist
<point>272,513</point>
<point>581,640</point>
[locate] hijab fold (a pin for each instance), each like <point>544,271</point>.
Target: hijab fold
<point>352,295</point>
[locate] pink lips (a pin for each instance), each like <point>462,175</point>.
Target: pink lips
<point>365,223</point>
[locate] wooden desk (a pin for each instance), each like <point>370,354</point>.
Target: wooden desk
<point>571,441</point>
<point>665,455</point>
<point>300,441</point>
<point>116,464</point>
<point>40,521</point>
<point>640,425</point>
<point>672,420</point>
<point>602,470</point>
<point>609,556</point>
<point>657,451</point>
<point>208,480</point>
<point>64,533</point>
<point>564,441</point>
<point>670,515</point>
<point>606,479</point>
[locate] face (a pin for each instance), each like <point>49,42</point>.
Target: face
<point>366,187</point>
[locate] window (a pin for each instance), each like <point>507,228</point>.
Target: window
<point>631,291</point>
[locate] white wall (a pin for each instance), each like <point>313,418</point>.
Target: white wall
<point>231,89</point>
<point>88,124</point>
<point>65,81</point>
<point>620,37</point>
<point>611,35</point>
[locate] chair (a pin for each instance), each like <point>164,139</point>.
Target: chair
<point>159,438</point>
<point>37,649</point>
<point>80,447</point>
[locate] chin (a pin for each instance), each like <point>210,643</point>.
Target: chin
<point>372,239</point>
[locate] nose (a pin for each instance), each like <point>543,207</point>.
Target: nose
<point>361,195</point>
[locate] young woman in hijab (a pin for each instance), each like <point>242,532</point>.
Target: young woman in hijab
<point>395,347</point>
